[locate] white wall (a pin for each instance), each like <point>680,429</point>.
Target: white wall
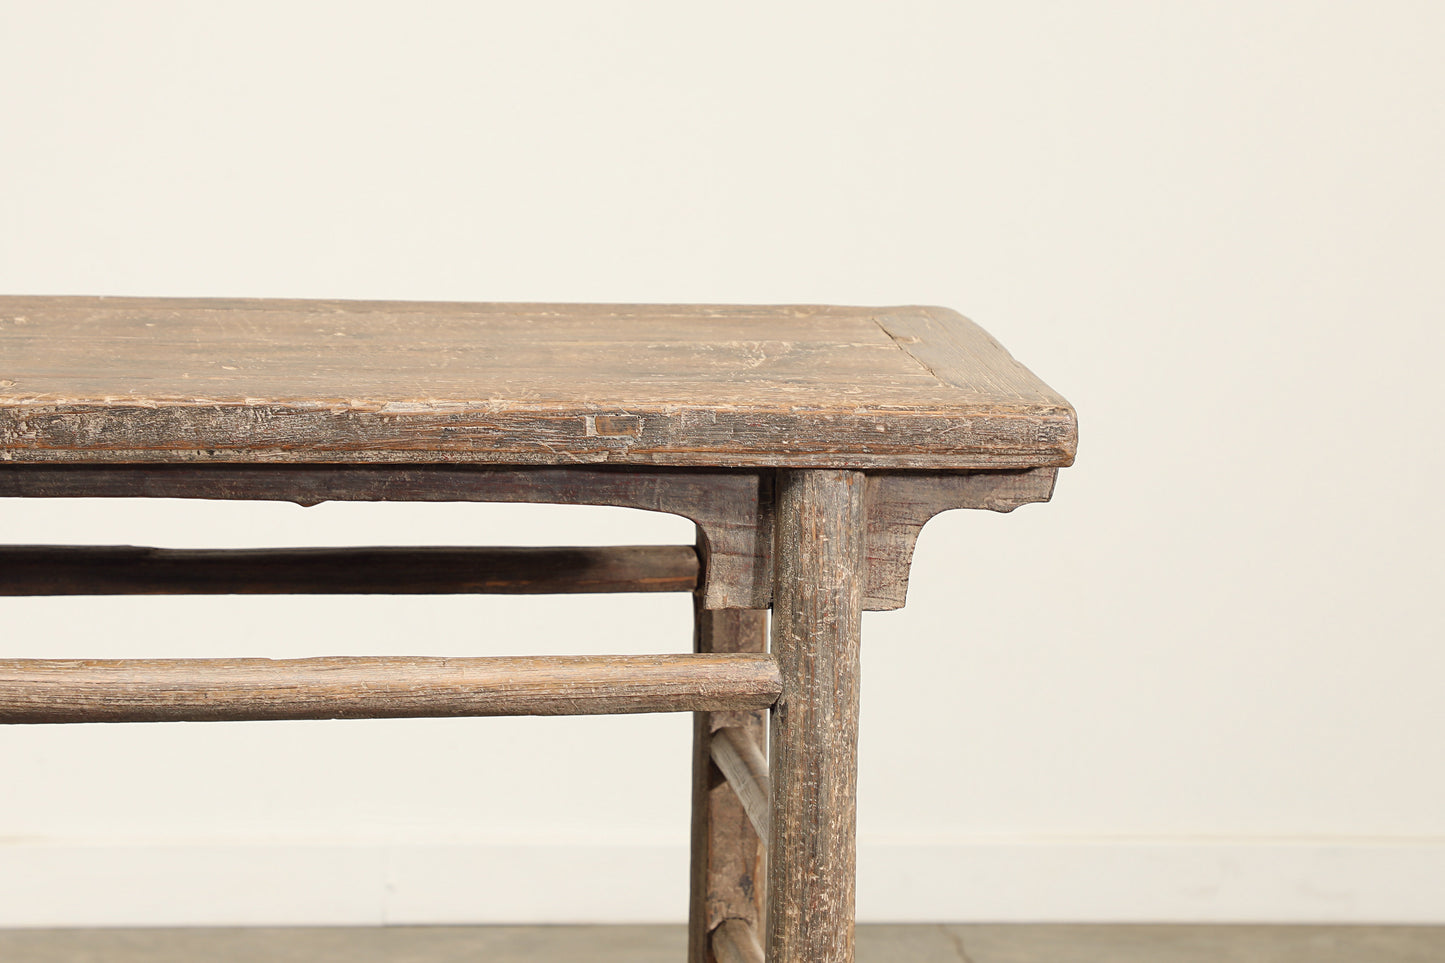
<point>1204,683</point>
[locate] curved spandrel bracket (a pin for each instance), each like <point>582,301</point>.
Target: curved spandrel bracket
<point>901,503</point>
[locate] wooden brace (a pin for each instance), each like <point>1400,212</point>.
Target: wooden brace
<point>733,510</point>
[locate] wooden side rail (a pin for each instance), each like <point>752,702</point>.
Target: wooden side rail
<point>126,570</point>
<point>200,690</point>
<point>740,759</point>
<point>735,942</point>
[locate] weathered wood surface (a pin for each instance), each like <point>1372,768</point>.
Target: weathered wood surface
<point>901,503</point>
<point>740,759</point>
<point>174,380</point>
<point>736,942</point>
<point>727,875</point>
<point>817,619</point>
<point>210,690</point>
<point>731,509</point>
<point>126,570</point>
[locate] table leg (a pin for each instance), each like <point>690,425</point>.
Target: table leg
<point>727,870</point>
<point>819,571</point>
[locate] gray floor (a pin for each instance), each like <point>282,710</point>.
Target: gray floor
<point>664,944</point>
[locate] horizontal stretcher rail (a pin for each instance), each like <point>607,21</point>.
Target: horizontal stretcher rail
<point>127,570</point>
<point>202,690</point>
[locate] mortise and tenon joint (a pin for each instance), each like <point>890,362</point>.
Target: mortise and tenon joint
<point>809,444</point>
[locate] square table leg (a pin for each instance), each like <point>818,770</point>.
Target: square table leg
<point>819,571</point>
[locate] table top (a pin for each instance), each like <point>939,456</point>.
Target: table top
<point>170,380</point>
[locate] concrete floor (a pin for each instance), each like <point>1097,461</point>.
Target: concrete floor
<point>665,944</point>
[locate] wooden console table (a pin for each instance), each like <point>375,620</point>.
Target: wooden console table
<point>808,444</point>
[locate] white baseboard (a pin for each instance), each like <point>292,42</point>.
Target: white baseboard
<point>281,884</point>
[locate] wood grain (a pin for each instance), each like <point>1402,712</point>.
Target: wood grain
<point>212,690</point>
<point>731,508</point>
<point>901,503</point>
<point>817,617</point>
<point>755,422</point>
<point>727,873</point>
<point>735,941</point>
<point>172,380</point>
<point>738,757</point>
<point>127,570</point>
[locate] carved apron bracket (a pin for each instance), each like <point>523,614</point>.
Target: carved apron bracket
<point>732,509</point>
